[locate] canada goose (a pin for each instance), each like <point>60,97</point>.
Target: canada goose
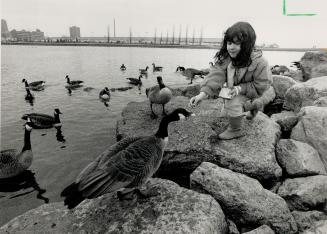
<point>155,68</point>
<point>124,166</point>
<point>29,96</point>
<point>73,83</point>
<point>179,68</point>
<point>36,85</point>
<point>135,81</point>
<point>191,73</point>
<point>158,94</point>
<point>44,121</point>
<point>122,67</point>
<point>105,94</point>
<point>13,163</point>
<point>144,71</point>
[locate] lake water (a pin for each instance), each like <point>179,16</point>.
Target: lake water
<point>88,125</point>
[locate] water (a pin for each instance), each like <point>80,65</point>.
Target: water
<point>88,125</point>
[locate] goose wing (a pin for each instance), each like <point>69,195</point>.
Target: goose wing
<point>76,82</point>
<point>40,119</point>
<point>127,167</point>
<point>150,92</point>
<point>7,156</point>
<point>36,83</point>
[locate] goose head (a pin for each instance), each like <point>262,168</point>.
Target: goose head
<point>23,80</point>
<point>179,114</point>
<point>106,89</point>
<point>29,125</point>
<point>146,68</point>
<point>140,76</point>
<point>57,111</point>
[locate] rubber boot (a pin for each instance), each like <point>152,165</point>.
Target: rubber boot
<point>234,129</point>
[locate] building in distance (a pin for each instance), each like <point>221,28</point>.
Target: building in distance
<point>75,33</point>
<point>5,34</point>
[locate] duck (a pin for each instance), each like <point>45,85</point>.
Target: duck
<point>73,83</point>
<point>122,67</point>
<point>29,96</point>
<point>156,68</point>
<point>179,68</point>
<point>158,94</point>
<point>144,71</point>
<point>35,85</point>
<point>123,167</point>
<point>104,94</point>
<point>13,163</point>
<point>135,81</point>
<point>41,121</point>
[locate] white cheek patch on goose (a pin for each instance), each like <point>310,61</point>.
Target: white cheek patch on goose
<point>165,140</point>
<point>181,116</point>
<point>29,128</point>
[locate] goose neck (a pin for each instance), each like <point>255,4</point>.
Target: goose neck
<point>27,141</point>
<point>163,127</point>
<point>56,117</point>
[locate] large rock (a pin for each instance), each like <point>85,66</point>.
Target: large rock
<point>312,129</point>
<point>314,64</point>
<point>192,142</point>
<point>305,94</point>
<point>298,158</point>
<point>243,198</point>
<point>174,210</point>
<point>286,120</point>
<point>306,219</point>
<point>319,227</point>
<point>264,229</point>
<point>281,84</point>
<point>305,193</point>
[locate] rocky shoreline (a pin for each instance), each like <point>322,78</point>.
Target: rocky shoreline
<point>273,180</point>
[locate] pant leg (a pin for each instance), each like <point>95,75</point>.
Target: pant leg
<point>234,106</point>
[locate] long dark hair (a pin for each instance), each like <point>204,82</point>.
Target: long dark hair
<point>240,32</point>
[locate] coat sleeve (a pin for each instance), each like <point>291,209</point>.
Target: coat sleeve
<point>261,81</point>
<point>213,82</point>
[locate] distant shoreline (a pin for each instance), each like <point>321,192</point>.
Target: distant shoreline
<point>97,44</point>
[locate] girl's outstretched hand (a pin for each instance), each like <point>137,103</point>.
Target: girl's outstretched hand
<point>194,101</point>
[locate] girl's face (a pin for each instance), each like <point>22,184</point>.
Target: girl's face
<point>233,48</point>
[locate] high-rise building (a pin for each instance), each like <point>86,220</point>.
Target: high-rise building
<point>5,34</point>
<point>74,32</point>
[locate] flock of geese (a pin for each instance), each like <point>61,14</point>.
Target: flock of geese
<point>123,167</point>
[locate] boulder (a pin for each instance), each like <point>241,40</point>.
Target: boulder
<point>173,210</point>
<point>305,94</point>
<point>194,141</point>
<point>313,64</point>
<point>286,120</point>
<point>243,199</point>
<point>264,229</point>
<point>281,84</point>
<point>306,219</point>
<point>311,129</point>
<point>319,227</point>
<point>305,193</point>
<point>322,102</point>
<point>298,158</point>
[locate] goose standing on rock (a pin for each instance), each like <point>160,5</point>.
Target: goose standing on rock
<point>73,83</point>
<point>158,94</point>
<point>13,163</point>
<point>44,121</point>
<point>135,81</point>
<point>36,85</point>
<point>124,166</point>
<point>156,68</point>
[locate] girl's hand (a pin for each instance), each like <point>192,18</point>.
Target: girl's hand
<point>194,101</point>
<point>235,91</point>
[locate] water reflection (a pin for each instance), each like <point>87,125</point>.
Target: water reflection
<point>60,137</point>
<point>29,97</point>
<point>16,186</point>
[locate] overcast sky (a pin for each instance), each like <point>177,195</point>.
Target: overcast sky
<point>54,17</point>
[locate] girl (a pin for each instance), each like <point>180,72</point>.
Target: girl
<point>246,73</point>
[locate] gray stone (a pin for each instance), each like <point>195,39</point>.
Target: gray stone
<point>319,227</point>
<point>312,129</point>
<point>173,210</point>
<point>305,94</point>
<point>313,64</point>
<point>306,219</point>
<point>286,120</point>
<point>305,193</point>
<point>281,84</point>
<point>298,158</point>
<point>243,198</point>
<point>264,229</point>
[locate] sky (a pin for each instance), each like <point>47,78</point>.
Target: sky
<point>143,17</point>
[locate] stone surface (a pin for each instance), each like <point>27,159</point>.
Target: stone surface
<point>305,94</point>
<point>281,84</point>
<point>305,193</point>
<point>173,210</point>
<point>312,129</point>
<point>286,120</point>
<point>243,198</point>
<point>319,227</point>
<point>313,64</point>
<point>306,219</point>
<point>264,229</point>
<point>298,158</point>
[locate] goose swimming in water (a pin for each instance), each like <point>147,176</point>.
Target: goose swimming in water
<point>179,68</point>
<point>105,94</point>
<point>158,94</point>
<point>36,85</point>
<point>13,163</point>
<point>135,81</point>
<point>73,83</point>
<point>144,71</point>
<point>156,68</point>
<point>125,166</point>
<point>122,67</point>
<point>43,120</point>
